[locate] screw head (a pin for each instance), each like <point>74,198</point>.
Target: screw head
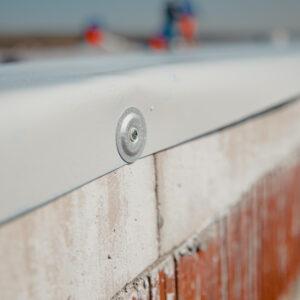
<point>131,135</point>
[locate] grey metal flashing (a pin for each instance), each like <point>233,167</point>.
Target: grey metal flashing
<point>58,131</point>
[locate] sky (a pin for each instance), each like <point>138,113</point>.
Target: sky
<point>144,16</point>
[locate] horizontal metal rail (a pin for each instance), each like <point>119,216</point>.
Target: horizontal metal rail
<point>58,119</point>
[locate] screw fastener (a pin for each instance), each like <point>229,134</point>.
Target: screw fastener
<point>131,135</point>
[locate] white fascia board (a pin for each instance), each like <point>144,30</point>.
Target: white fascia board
<point>56,137</point>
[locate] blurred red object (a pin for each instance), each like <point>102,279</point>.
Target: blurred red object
<point>158,43</point>
<point>94,36</point>
<point>188,28</point>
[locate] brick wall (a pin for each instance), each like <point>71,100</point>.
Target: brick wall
<point>252,252</point>
<point>214,218</point>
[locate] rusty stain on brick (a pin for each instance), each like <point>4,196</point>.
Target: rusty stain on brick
<point>211,265</point>
<point>188,277</point>
<point>162,279</point>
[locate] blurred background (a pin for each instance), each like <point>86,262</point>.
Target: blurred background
<point>34,29</point>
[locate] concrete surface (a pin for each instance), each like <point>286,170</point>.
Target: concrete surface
<point>199,180</point>
<point>87,244</point>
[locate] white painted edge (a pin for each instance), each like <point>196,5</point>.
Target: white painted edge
<point>56,138</point>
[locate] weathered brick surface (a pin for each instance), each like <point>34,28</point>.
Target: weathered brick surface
<point>252,252</point>
<point>280,236</point>
<point>163,281</point>
<point>210,262</point>
<point>188,276</point>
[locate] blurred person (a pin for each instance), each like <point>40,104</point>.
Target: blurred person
<point>171,13</point>
<point>187,22</point>
<point>179,21</point>
<point>163,40</point>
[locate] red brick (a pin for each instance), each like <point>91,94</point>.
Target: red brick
<point>163,282</point>
<point>252,253</point>
<point>280,242</point>
<point>234,251</point>
<point>188,277</point>
<point>210,266</point>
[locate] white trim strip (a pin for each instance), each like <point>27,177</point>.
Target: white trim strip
<point>57,137</point>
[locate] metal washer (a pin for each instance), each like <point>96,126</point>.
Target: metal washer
<point>131,135</point>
